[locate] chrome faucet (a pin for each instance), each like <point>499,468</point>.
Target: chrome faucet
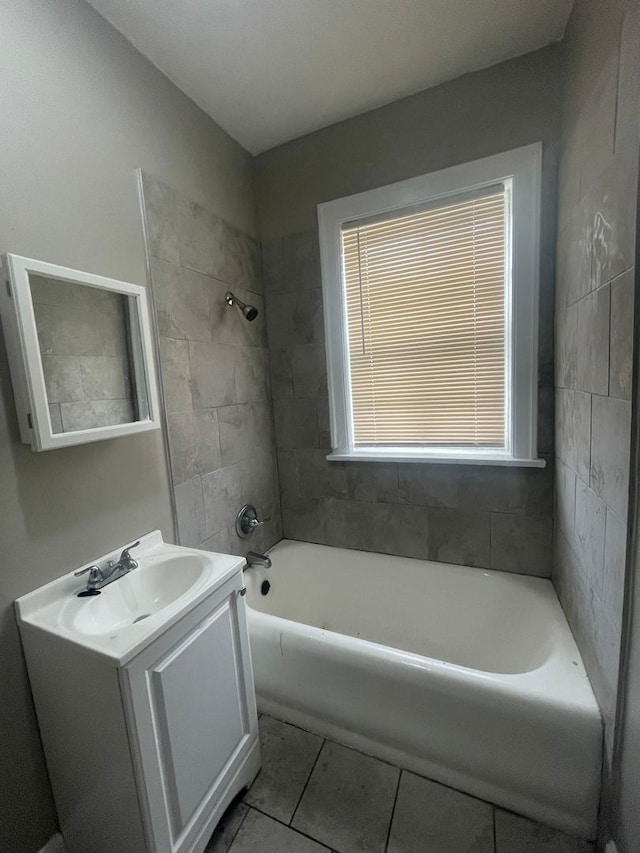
<point>99,578</point>
<point>255,559</point>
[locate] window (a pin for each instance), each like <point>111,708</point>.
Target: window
<point>431,301</point>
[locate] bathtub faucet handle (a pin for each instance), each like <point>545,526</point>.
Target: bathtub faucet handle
<point>247,521</point>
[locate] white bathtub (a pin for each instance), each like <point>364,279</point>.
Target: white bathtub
<point>466,676</point>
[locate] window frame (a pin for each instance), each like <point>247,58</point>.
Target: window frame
<point>520,168</point>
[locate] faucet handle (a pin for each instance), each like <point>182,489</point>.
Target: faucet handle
<point>84,571</point>
<point>125,554</point>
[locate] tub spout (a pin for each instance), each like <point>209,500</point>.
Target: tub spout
<point>254,559</point>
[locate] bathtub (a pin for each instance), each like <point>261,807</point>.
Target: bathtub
<point>466,676</point>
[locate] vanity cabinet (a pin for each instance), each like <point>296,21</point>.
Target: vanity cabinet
<point>145,754</point>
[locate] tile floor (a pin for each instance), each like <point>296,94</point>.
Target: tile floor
<point>314,796</point>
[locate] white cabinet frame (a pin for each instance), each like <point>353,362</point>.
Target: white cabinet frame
<point>23,350</point>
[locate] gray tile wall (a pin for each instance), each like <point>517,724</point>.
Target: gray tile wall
<point>82,339</point>
<point>594,317</point>
<point>215,377</point>
<point>480,516</point>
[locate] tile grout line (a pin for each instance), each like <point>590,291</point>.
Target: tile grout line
<point>235,834</point>
<point>495,839</point>
<point>322,745</point>
<point>286,825</point>
<point>393,811</point>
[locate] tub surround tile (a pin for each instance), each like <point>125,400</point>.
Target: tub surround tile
<point>281,373</point>
<point>305,520</point>
<point>521,544</point>
<point>610,448</point>
<point>176,375</point>
<point>573,430</point>
<point>349,800</point>
<point>429,816</point>
<point>615,545</point>
<point>161,206</point>
<point>309,366</point>
<point>95,413</point>
<point>318,478</point>
<point>301,257</point>
<point>190,512</point>
<point>373,482</point>
<point>515,834</point>
<point>215,374</point>
<point>195,444</point>
<point>296,423</point>
<point>593,342</point>
<point>222,493</point>
<point>621,336</point>
<point>590,516</point>
<point>460,537</point>
<point>288,757</point>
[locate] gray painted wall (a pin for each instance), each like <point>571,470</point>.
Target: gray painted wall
<point>214,367</point>
<point>594,290</point>
<point>479,516</point>
<point>81,111</point>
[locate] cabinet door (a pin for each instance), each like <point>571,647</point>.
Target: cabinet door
<point>193,705</point>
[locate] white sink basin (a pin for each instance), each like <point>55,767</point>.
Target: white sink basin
<point>132,610</point>
<point>151,587</point>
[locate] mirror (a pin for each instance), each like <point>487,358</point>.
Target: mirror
<point>86,354</point>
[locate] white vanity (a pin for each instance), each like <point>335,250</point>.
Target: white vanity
<point>145,699</point>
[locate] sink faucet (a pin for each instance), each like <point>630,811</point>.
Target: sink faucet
<point>255,559</point>
<point>99,578</point>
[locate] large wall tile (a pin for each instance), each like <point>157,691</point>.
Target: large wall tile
<point>592,372</point>
<point>565,487</point>
<point>621,336</point>
<point>243,260</point>
<point>520,544</point>
<point>384,528</point>
<point>320,478</point>
<point>567,346</point>
<point>615,547</point>
<point>294,319</point>
<point>190,512</point>
<point>222,493</point>
<point>246,431</point>
<point>309,366</point>
<point>251,374</point>
<point>526,491</point>
<point>373,482</point>
<point>305,520</point>
<point>202,240</point>
<point>590,516</point>
<point>161,207</point>
<point>281,373</point>
<point>573,430</point>
<point>176,375</point>
<point>460,537</point>
<point>610,446</point>
<point>183,302</point>
<point>195,444</point>
<point>213,374</point>
<point>289,477</point>
<point>429,485</point>
<point>296,423</point>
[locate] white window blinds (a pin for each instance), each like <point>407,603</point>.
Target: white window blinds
<point>425,300</point>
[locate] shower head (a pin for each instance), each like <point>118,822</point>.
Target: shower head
<point>248,311</point>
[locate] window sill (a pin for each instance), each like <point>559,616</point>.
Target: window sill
<point>437,459</point>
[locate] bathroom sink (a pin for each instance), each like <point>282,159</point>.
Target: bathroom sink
<point>151,587</point>
<point>134,609</point>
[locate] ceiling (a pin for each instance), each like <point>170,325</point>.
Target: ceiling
<point>271,70</point>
